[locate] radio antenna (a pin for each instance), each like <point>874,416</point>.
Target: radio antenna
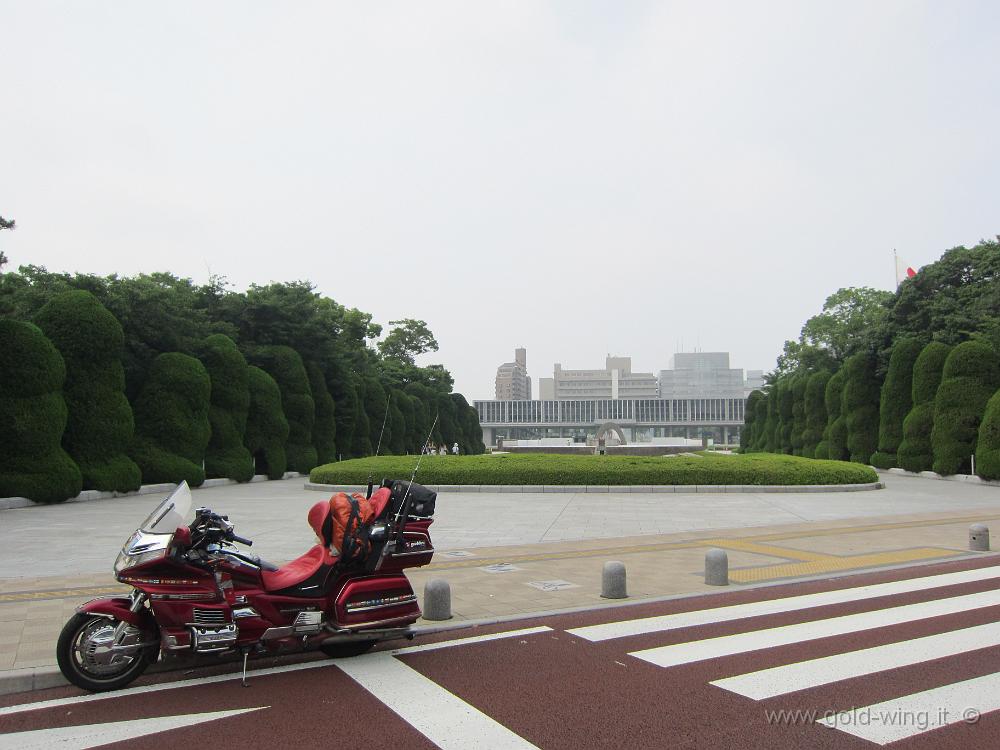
<point>379,447</point>
<point>403,509</point>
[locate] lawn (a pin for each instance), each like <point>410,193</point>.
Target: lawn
<point>706,468</point>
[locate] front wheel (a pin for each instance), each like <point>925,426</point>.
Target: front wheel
<point>346,648</point>
<point>89,657</point>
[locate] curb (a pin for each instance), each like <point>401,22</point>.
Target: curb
<point>31,679</point>
<point>11,503</point>
<point>686,489</point>
<point>967,478</point>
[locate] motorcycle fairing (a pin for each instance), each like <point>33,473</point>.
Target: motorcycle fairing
<point>119,608</point>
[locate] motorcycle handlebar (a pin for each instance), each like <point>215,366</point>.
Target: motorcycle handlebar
<point>241,540</point>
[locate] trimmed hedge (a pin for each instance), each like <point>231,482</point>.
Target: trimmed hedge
<point>786,407</point>
<point>752,469</point>
<point>971,376</point>
<point>799,385</point>
<point>760,423</point>
<point>834,444</point>
<point>286,367</point>
<point>171,421</point>
<point>750,426</point>
<point>229,404</point>
<point>988,447</point>
<point>896,401</point>
<point>325,428</point>
<point>914,453</point>
<point>815,408</point>
<point>770,443</point>
<point>33,416</point>
<point>860,406</point>
<point>267,428</point>
<point>100,425</point>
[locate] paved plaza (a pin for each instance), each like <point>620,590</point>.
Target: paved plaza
<point>512,554</point>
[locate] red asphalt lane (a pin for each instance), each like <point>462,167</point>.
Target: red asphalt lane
<point>559,691</point>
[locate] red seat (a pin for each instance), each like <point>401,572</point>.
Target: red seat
<point>297,570</point>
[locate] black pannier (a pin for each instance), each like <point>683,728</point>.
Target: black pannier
<point>420,498</point>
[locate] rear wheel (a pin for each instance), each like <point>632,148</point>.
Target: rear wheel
<point>89,657</point>
<point>346,648</point>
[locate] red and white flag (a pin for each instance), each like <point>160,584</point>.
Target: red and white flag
<point>903,271</point>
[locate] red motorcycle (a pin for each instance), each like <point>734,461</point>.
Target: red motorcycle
<point>194,593</point>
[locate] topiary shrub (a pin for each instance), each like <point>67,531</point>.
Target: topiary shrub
<point>285,365</point>
<point>914,452</point>
<point>267,428</point>
<point>971,376</point>
<point>786,406</point>
<point>748,433</point>
<point>988,446</point>
<point>325,428</point>
<point>759,437</point>
<point>771,443</point>
<point>171,421</point>
<point>834,442</point>
<point>815,414</point>
<point>896,401</point>
<point>229,403</point>
<point>799,384</point>
<point>100,426</point>
<point>860,406</point>
<point>33,463</point>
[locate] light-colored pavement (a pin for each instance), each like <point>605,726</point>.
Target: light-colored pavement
<point>509,554</point>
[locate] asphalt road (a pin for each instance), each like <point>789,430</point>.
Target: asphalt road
<point>908,657</point>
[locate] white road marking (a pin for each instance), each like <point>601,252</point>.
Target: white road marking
<point>442,717</point>
<point>915,714</point>
<point>626,628</point>
<point>710,648</point>
<point>86,736</point>
<point>199,681</point>
<point>803,675</point>
<point>471,639</point>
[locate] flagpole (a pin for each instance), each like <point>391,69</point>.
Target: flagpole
<point>895,268</point>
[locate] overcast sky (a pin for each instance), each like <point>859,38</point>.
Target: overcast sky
<point>579,178</point>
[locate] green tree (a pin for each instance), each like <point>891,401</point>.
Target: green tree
<point>988,445</point>
<point>100,424</point>
<point>834,443</point>
<point>325,428</point>
<point>407,340</point>
<point>896,400</point>
<point>33,463</point>
<point>759,438</point>
<point>914,452</point>
<point>171,421</point>
<point>860,406</point>
<point>229,405</point>
<point>267,428</point>
<point>286,367</point>
<point>815,414</point>
<point>798,390</point>
<point>4,224</point>
<point>971,376</point>
<point>849,316</point>
<point>748,433</point>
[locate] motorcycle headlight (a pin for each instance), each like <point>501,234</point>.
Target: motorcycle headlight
<point>126,561</point>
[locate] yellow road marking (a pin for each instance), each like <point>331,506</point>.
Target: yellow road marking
<point>743,545</point>
<point>831,564</point>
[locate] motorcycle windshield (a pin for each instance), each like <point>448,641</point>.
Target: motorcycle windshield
<point>174,511</point>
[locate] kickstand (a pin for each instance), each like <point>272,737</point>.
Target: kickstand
<point>246,653</point>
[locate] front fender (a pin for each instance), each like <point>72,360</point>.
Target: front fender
<point>120,609</point>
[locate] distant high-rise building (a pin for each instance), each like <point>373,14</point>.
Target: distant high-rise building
<point>615,381</point>
<point>513,383</point>
<point>701,375</point>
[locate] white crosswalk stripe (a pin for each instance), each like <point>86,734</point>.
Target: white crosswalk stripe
<point>790,678</point>
<point>727,645</point>
<point>891,720</point>
<point>645,625</point>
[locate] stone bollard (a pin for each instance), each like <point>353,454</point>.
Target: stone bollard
<point>716,567</point>
<point>437,600</point>
<point>613,580</point>
<point>979,538</point>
